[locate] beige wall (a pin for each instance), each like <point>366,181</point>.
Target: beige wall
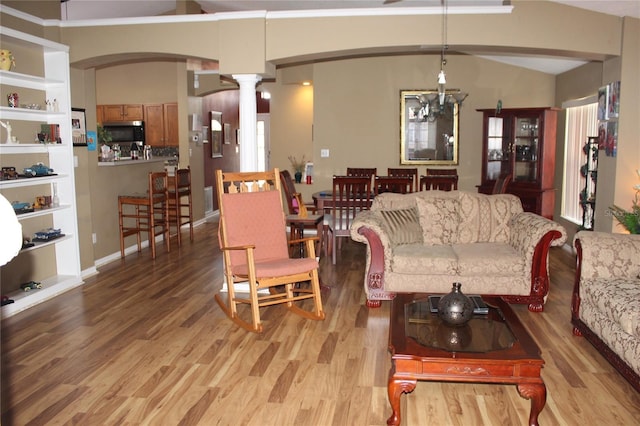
<point>356,111</point>
<point>143,82</point>
<point>628,159</point>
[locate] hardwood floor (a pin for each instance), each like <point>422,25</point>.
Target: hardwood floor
<point>144,343</point>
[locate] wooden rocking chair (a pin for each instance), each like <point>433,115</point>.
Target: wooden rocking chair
<point>253,239</point>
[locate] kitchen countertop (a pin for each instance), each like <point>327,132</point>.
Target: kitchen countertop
<point>127,161</point>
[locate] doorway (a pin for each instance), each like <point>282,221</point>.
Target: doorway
<point>264,152</point>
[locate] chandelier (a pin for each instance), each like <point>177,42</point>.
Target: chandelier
<point>444,101</point>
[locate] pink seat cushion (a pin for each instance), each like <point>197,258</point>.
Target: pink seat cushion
<point>279,267</point>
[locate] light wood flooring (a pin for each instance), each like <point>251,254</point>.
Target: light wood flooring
<point>144,343</point>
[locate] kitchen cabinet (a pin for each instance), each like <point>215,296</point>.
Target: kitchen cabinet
<point>99,114</point>
<point>521,142</point>
<point>161,124</point>
<point>127,112</point>
<point>54,263</point>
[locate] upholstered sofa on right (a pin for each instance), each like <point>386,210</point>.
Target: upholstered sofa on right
<point>605,307</point>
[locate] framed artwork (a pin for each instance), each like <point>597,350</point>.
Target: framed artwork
<point>603,98</point>
<point>215,119</point>
<point>78,127</point>
<point>613,100</point>
<point>92,140</point>
<point>425,137</point>
<point>611,144</point>
<point>227,133</point>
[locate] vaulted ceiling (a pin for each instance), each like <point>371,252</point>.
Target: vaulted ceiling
<point>95,9</point>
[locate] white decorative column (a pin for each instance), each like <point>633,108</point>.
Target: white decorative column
<point>248,118</point>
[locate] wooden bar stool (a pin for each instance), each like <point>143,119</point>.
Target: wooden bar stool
<point>146,213</point>
<point>180,203</point>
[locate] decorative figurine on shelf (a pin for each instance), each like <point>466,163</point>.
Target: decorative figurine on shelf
<point>31,285</point>
<point>7,61</point>
<point>7,126</point>
<point>38,169</point>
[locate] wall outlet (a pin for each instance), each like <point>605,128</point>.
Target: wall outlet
<point>94,237</point>
<point>324,153</point>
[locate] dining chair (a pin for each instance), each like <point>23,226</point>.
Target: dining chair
<point>412,172</point>
<point>253,239</point>
<point>440,179</point>
<point>147,213</point>
<point>180,202</point>
<point>438,182</point>
<point>500,187</point>
<point>370,172</point>
<point>397,184</point>
<point>442,172</point>
<point>351,195</point>
<point>290,192</point>
<point>293,199</point>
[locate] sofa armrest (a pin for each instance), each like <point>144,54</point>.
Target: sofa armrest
<point>608,256</point>
<point>374,222</point>
<point>369,228</point>
<point>527,230</point>
<point>532,235</point>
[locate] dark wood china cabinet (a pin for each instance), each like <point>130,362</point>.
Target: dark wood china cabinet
<point>521,142</point>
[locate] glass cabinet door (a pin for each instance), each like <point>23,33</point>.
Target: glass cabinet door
<point>498,148</point>
<point>525,149</point>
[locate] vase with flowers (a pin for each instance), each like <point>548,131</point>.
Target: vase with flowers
<point>629,219</point>
<point>298,167</point>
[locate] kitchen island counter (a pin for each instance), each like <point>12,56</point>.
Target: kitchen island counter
<point>127,161</point>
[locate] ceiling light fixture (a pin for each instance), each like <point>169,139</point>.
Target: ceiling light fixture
<point>435,104</point>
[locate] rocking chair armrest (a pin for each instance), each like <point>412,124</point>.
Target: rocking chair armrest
<point>302,240</point>
<point>244,247</point>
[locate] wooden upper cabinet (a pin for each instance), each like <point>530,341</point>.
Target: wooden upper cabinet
<point>99,114</point>
<point>171,124</point>
<point>154,124</point>
<point>161,124</point>
<point>127,112</point>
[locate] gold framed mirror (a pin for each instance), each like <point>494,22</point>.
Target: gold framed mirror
<point>428,131</point>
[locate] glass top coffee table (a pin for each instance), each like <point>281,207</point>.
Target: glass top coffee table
<point>491,348</point>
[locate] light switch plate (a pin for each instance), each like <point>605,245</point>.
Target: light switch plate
<point>324,153</point>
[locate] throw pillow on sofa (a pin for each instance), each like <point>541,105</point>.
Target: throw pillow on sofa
<point>439,220</point>
<point>485,218</point>
<point>403,226</point>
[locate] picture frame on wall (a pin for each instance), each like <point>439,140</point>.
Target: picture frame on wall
<point>611,144</point>
<point>78,127</point>
<point>613,100</point>
<point>227,133</point>
<point>215,120</point>
<point>603,98</point>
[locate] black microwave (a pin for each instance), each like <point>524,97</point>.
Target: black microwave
<point>124,132</point>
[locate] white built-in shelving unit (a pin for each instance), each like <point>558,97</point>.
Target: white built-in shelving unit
<point>47,77</point>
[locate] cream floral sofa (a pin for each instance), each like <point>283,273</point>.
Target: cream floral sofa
<point>425,241</point>
<point>605,307</point>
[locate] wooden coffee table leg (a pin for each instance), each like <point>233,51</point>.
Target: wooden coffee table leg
<point>395,389</point>
<point>538,395</point>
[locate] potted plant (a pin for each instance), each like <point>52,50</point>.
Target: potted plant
<point>104,137</point>
<point>629,220</point>
<point>298,167</point>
